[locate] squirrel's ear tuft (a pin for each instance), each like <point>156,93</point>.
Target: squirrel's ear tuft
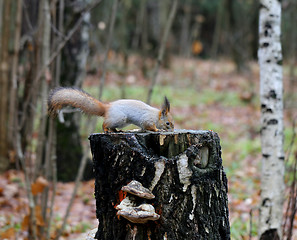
<point>165,106</point>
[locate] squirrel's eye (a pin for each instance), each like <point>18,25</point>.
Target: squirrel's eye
<point>167,123</point>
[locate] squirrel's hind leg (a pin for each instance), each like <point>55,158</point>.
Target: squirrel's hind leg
<point>108,129</point>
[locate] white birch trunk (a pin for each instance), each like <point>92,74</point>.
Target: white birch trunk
<point>271,94</point>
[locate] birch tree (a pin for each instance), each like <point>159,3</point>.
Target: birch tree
<point>271,95</point>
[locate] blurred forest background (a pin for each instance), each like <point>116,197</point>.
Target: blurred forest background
<point>201,54</point>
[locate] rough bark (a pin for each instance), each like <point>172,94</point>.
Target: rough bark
<point>4,83</point>
<point>183,169</point>
<point>271,93</point>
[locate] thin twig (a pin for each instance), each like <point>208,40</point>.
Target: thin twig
<point>292,188</point>
<point>52,123</point>
<point>32,213</point>
<point>108,44</point>
<point>293,200</point>
<point>52,150</point>
<point>251,224</point>
<point>289,151</point>
<point>162,49</point>
<point>26,16</point>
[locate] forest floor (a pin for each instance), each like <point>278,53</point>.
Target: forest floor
<point>204,94</point>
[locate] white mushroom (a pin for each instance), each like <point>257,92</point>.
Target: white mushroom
<point>136,188</point>
<point>140,214</point>
<point>128,202</point>
<point>137,214</point>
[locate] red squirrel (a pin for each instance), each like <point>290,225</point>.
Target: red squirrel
<point>117,114</point>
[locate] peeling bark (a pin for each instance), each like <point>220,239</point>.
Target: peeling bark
<point>271,94</point>
<point>183,169</point>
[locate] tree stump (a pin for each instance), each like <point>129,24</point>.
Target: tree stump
<point>182,169</point>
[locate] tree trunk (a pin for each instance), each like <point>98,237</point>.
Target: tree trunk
<point>73,57</point>
<point>221,11</point>
<point>13,91</point>
<point>183,169</point>
<point>185,31</point>
<point>4,83</point>
<point>271,94</point>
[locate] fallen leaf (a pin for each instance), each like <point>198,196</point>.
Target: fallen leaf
<point>25,222</point>
<point>38,216</point>
<point>39,185</point>
<point>8,234</point>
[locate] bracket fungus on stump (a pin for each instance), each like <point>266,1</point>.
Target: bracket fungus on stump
<point>137,214</point>
<point>184,188</point>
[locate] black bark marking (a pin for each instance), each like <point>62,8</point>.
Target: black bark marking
<point>272,94</point>
<point>272,122</point>
<point>267,30</point>
<point>266,44</point>
<point>269,110</point>
<point>266,155</point>
<point>268,25</point>
<point>265,109</point>
<point>270,234</point>
<point>264,6</point>
<point>266,202</point>
<point>262,129</point>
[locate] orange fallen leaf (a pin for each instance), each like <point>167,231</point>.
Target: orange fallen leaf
<point>39,185</point>
<point>38,216</point>
<point>9,233</point>
<point>25,222</point>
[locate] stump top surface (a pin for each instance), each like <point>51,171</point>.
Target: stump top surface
<point>167,144</point>
<point>143,133</point>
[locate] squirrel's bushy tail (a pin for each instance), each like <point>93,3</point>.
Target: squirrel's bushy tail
<point>77,98</point>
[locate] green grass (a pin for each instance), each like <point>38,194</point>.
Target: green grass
<point>179,97</point>
<point>241,228</point>
<point>82,227</point>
